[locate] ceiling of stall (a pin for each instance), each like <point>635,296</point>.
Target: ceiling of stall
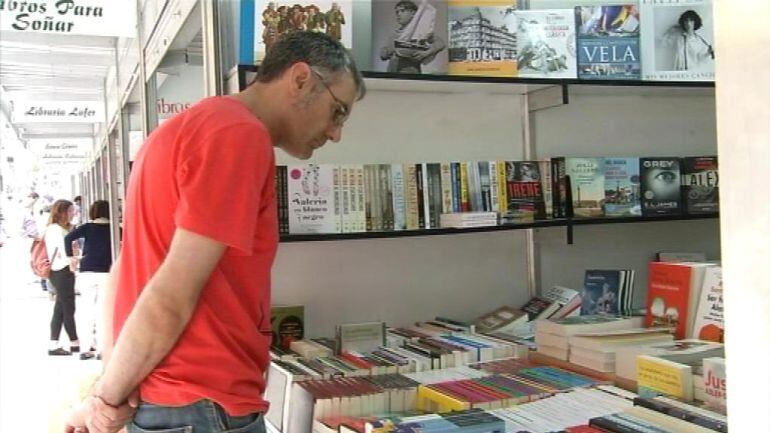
<point>46,67</point>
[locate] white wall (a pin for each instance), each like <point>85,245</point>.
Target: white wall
<point>625,122</point>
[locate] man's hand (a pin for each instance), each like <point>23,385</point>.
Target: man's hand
<point>93,415</point>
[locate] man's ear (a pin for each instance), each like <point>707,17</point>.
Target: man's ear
<point>300,78</point>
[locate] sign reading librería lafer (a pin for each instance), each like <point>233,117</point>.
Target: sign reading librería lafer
<point>58,111</point>
<point>70,17</point>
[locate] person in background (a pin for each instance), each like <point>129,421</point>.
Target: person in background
<point>76,203</point>
<point>191,286</point>
<point>61,278</point>
<point>94,267</point>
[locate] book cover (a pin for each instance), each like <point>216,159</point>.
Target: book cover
<point>661,193</point>
<point>677,40</point>
<point>546,43</point>
<point>482,37</point>
<point>700,184</point>
<point>709,318</point>
<point>622,187</point>
<point>524,191</point>
<point>587,181</point>
<point>311,199</point>
<point>657,376</point>
<point>409,37</point>
<point>608,42</point>
<point>277,18</point>
<point>672,295</point>
<point>601,292</point>
<point>546,184</point>
<point>715,384</point>
<point>287,323</point>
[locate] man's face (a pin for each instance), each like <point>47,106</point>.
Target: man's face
<point>318,115</point>
<point>404,15</point>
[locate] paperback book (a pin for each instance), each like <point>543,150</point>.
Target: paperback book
<point>608,42</point>
<point>524,191</point>
<point>587,181</point>
<point>311,199</point>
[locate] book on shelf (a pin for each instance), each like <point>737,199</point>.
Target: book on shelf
<point>715,384</point>
<point>502,319</point>
<point>575,325</point>
<point>546,185</point>
<point>569,301</point>
<point>690,352</point>
<point>360,337</point>
<point>700,185</point>
<point>273,20</point>
<point>659,376</point>
<point>680,256</point>
<point>312,204</point>
<point>607,292</point>
<point>709,316</point>
<point>671,50</point>
<point>287,323</point>
<point>586,176</point>
<point>673,294</point>
<point>622,187</point>
<point>472,54</point>
<point>524,192</point>
<point>608,42</point>
<point>417,46</point>
<point>661,186</point>
<point>545,41</point>
<point>468,220</point>
<point>686,412</point>
<point>640,419</point>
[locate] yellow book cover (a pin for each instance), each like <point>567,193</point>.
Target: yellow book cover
<point>502,186</point>
<point>657,376</point>
<point>465,201</point>
<point>431,400</point>
<point>482,38</point>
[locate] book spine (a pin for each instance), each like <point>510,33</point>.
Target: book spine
<point>360,199</point>
<point>465,202</point>
<point>446,188</point>
<point>420,193</point>
<point>493,185</point>
<point>412,203</point>
<point>426,195</point>
<point>386,197</point>
<point>346,202</point>
<point>456,199</point>
<point>502,187</point>
<point>399,199</point>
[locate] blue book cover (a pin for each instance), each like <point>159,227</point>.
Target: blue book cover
<point>608,42</point>
<point>601,292</point>
<point>622,187</point>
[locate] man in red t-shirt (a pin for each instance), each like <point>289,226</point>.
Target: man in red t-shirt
<point>191,287</point>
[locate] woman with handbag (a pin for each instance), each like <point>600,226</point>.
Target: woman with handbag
<point>61,278</point>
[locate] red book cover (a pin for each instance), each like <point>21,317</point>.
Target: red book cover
<point>672,292</point>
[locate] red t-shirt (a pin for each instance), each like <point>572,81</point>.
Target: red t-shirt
<point>209,170</point>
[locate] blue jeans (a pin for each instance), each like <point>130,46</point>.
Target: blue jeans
<point>204,416</point>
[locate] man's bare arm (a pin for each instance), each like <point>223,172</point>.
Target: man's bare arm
<point>160,315</point>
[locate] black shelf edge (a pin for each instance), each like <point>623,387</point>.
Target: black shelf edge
<point>519,80</point>
<point>506,227</point>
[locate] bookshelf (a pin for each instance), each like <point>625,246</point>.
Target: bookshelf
<point>558,222</point>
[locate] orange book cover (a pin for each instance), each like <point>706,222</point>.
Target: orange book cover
<point>668,297</point>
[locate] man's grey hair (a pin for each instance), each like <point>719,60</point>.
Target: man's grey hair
<point>320,51</point>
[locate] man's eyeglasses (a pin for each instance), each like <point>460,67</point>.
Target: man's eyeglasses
<point>342,112</point>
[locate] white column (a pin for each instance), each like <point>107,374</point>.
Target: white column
<point>743,131</point>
